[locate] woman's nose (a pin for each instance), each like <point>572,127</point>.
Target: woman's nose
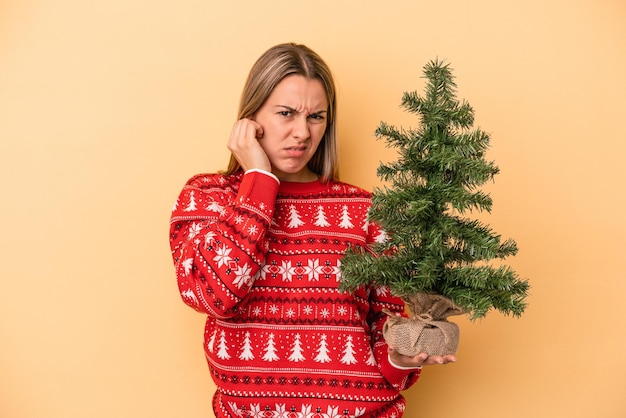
<point>301,127</point>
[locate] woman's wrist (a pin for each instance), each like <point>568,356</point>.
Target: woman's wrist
<point>401,367</point>
<point>260,170</point>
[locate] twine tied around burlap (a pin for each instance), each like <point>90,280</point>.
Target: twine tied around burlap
<point>428,331</point>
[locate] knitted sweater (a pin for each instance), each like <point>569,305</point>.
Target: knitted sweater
<point>262,259</point>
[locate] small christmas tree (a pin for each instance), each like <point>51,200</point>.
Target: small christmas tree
<point>436,259</point>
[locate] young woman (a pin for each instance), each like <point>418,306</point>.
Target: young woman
<point>258,249</point>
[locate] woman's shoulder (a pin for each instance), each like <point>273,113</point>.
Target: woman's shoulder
<point>205,194</point>
<point>214,180</point>
<point>342,188</point>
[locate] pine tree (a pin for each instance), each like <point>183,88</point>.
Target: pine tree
<point>432,247</point>
<point>246,352</point>
<point>192,203</point>
<point>223,348</point>
<point>270,350</point>
<point>294,217</point>
<point>348,352</point>
<point>346,220</point>
<point>322,351</point>
<point>320,218</point>
<point>211,342</point>
<point>296,350</point>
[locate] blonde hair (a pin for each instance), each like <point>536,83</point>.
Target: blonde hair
<point>270,69</point>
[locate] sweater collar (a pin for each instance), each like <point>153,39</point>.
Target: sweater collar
<point>291,187</point>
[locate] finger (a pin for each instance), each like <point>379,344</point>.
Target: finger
<point>258,129</point>
<point>407,361</point>
<point>440,359</point>
<point>245,147</point>
<point>244,133</point>
<point>259,132</point>
<point>236,133</point>
<point>421,358</point>
<point>450,359</point>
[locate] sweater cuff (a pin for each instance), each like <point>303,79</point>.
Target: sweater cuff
<point>401,367</point>
<point>267,173</point>
<point>257,193</point>
<point>396,375</point>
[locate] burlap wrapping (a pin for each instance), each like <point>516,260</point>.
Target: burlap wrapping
<point>428,331</point>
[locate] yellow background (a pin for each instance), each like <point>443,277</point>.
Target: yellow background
<point>107,107</point>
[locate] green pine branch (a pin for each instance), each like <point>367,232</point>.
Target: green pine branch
<point>433,247</point>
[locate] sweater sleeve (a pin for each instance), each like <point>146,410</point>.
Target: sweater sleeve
<point>218,237</point>
<point>381,299</point>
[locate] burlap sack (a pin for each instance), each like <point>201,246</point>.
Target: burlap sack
<point>428,331</point>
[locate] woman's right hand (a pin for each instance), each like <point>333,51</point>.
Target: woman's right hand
<point>244,144</point>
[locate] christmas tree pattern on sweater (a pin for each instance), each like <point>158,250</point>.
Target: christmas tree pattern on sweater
<point>263,261</point>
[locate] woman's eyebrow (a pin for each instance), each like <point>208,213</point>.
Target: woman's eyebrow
<point>291,109</point>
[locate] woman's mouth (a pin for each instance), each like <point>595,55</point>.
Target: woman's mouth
<point>296,151</point>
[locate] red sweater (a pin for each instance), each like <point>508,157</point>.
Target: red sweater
<point>263,259</point>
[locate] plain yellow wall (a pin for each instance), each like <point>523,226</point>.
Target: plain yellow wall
<point>106,108</point>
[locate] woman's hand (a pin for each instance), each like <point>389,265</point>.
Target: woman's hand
<point>419,360</point>
<point>244,144</point>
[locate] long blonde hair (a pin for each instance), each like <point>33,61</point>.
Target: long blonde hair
<point>270,69</point>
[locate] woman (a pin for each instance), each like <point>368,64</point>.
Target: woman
<point>258,249</point>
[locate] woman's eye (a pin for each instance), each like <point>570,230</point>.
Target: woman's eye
<point>285,113</point>
<point>316,118</point>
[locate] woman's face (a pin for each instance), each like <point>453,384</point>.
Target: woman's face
<point>293,119</point>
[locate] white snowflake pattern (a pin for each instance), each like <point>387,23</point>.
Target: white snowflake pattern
<point>274,309</point>
<point>233,407</point>
<point>238,219</point>
<point>256,311</point>
<point>209,238</point>
<point>243,275</point>
<point>187,265</point>
<point>256,411</point>
<point>342,310</point>
<point>189,295</point>
<point>315,269</point>
<point>281,411</point>
<point>325,313</point>
<point>290,313</point>
<point>382,237</point>
<point>332,412</point>
<point>308,310</point>
<point>215,207</point>
<point>306,412</point>
<point>253,230</point>
<point>194,230</point>
<point>286,267</point>
<point>222,256</point>
<point>382,291</point>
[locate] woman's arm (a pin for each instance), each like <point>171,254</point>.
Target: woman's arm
<point>399,370</point>
<point>218,237</point>
<point>400,378</point>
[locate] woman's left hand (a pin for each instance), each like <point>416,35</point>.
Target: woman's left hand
<point>419,360</point>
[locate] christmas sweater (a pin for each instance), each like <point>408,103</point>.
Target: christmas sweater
<point>262,259</point>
